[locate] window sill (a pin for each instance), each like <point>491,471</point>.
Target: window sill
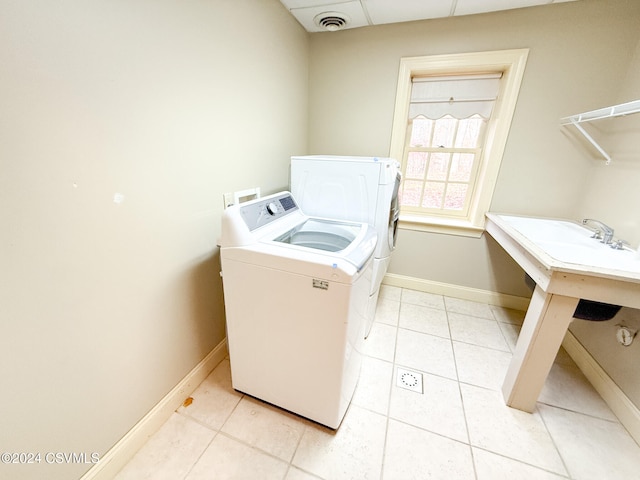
<point>446,226</point>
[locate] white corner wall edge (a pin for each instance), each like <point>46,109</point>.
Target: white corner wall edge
<point>118,456</point>
<point>620,404</point>
<point>457,291</point>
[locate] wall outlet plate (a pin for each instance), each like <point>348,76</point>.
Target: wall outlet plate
<point>227,198</point>
<point>625,335</point>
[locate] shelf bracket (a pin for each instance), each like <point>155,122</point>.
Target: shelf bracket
<point>592,141</point>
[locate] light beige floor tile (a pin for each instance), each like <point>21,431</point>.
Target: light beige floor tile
<point>214,399</point>
<point>438,409</point>
<point>297,474</point>
<point>229,459</point>
<point>427,353</point>
<point>422,298</point>
<point>507,315</point>
<point>390,292</point>
<point>567,387</point>
<point>515,434</point>
<point>490,466</point>
<point>374,385</point>
<point>480,366</point>
<point>387,311</point>
<point>412,453</point>
<point>266,427</point>
<point>477,331</point>
<point>354,451</point>
<point>510,332</point>
<point>424,319</point>
<point>170,452</point>
<point>467,307</point>
<point>381,342</point>
<point>592,448</point>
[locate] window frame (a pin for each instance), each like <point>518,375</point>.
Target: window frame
<point>512,65</point>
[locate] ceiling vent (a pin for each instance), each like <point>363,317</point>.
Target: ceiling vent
<point>331,21</point>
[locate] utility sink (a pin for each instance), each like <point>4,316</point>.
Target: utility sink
<point>567,266</point>
<point>570,242</point>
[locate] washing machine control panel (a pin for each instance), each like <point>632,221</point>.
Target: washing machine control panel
<point>266,210</point>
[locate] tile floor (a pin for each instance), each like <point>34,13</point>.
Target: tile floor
<point>458,429</point>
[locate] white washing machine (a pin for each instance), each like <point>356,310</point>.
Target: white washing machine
<point>295,291</point>
<point>359,189</point>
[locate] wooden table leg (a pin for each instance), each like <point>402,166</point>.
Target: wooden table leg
<point>543,330</point>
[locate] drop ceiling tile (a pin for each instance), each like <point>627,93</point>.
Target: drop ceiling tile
<point>353,10</point>
<point>303,3</point>
<point>468,7</point>
<point>385,11</point>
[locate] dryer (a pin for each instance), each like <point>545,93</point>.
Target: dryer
<point>295,291</point>
<point>359,189</point>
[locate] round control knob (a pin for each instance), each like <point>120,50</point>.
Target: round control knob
<point>272,208</point>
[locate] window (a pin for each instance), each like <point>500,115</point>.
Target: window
<point>452,118</point>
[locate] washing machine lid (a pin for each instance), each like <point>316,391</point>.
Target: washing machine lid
<point>343,188</point>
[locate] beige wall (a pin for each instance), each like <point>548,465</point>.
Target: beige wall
<point>612,195</point>
<point>579,52</point>
<point>611,192</point>
<point>105,307</point>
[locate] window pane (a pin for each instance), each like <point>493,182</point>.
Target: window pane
<point>461,167</point>
<point>421,132</point>
<point>438,165</point>
<point>433,192</point>
<point>456,193</point>
<point>410,194</point>
<point>469,132</point>
<point>416,165</point>
<point>445,129</point>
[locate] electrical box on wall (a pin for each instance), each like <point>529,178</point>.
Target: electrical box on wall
<point>240,196</point>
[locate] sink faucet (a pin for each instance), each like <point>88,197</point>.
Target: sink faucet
<point>608,231</point>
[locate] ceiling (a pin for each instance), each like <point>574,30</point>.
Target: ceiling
<point>327,15</point>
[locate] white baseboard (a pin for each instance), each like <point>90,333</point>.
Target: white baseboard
<point>624,409</point>
<point>457,291</point>
<point>118,456</point>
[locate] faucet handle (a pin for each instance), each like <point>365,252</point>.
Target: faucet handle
<point>597,235</point>
<point>619,244</point>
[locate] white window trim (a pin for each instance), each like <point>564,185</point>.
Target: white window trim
<point>512,63</point>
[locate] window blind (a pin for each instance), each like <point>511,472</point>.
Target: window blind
<point>460,96</point>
